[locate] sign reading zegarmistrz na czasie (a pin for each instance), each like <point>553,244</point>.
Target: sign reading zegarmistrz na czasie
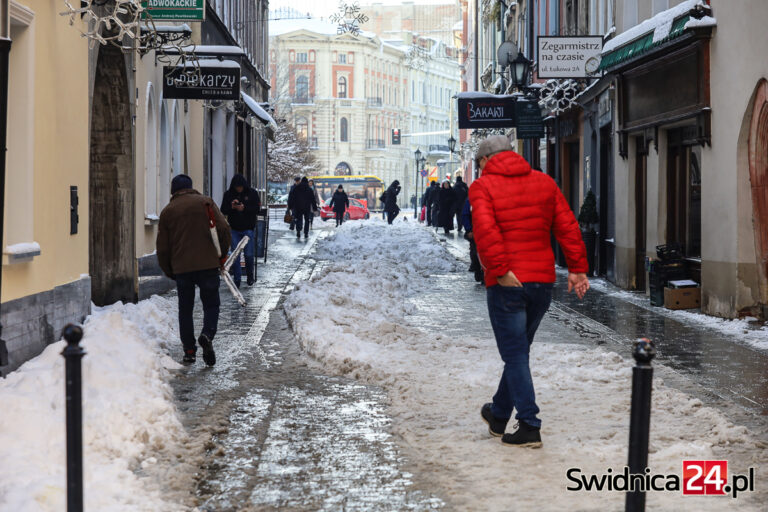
<point>174,10</point>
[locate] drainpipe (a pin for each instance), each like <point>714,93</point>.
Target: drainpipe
<point>5,50</point>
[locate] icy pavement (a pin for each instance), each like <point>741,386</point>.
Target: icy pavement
<point>407,322</point>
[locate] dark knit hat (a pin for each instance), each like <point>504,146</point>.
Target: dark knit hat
<point>180,182</point>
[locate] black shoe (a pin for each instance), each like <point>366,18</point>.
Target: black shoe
<point>250,280</point>
<point>472,268</point>
<point>190,356</point>
<point>209,356</point>
<point>525,436</point>
<point>496,426</point>
<point>479,277</point>
<point>298,236</point>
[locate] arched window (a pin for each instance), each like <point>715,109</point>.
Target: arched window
<point>302,128</point>
<point>344,130</point>
<point>302,89</point>
<point>342,87</point>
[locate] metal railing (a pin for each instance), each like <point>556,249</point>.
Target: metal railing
<point>303,100</point>
<point>374,102</point>
<point>374,144</point>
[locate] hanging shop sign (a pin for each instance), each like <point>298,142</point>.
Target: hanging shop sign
<point>528,120</point>
<point>217,80</point>
<point>569,57</point>
<point>486,112</point>
<point>174,10</point>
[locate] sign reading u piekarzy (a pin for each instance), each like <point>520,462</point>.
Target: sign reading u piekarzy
<point>569,57</point>
<point>174,10</point>
<point>202,83</point>
<point>487,112</point>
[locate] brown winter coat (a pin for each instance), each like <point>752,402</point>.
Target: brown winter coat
<point>184,241</point>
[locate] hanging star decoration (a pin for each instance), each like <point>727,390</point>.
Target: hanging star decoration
<point>349,18</point>
<point>107,21</point>
<point>559,95</point>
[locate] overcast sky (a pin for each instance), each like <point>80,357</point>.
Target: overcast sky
<point>326,8</point>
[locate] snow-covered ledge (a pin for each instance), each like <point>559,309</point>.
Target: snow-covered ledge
<point>151,219</point>
<point>20,253</point>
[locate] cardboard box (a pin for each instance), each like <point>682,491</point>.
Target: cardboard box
<point>682,298</point>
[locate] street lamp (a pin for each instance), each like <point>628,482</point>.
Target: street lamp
<point>520,67</point>
<point>452,145</point>
<point>417,155</point>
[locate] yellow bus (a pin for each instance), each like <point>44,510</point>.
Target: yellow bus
<point>366,188</point>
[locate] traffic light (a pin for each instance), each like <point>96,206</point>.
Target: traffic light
<point>395,136</point>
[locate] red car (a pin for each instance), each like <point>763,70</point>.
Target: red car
<point>357,210</point>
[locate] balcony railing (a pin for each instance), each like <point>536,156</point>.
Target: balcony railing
<point>374,144</point>
<point>439,148</point>
<point>374,102</point>
<point>303,100</point>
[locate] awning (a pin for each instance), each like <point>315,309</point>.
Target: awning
<point>654,32</point>
<point>259,112</point>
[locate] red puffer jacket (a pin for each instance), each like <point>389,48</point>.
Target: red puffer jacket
<point>514,209</point>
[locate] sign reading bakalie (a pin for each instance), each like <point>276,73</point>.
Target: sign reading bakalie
<point>486,112</point>
<point>202,83</point>
<point>569,57</point>
<point>174,10</point>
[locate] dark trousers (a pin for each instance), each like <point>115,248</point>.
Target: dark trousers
<point>391,215</point>
<point>303,219</point>
<point>429,216</point>
<point>516,313</point>
<point>473,258</point>
<point>248,254</point>
<point>339,218</point>
<point>208,282</point>
<point>458,220</point>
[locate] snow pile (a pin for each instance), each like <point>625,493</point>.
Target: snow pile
<point>353,317</point>
<point>128,415</point>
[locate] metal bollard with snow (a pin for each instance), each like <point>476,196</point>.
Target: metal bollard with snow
<point>640,418</point>
<point>73,355</point>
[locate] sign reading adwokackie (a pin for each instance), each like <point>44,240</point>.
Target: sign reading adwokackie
<point>204,83</point>
<point>569,57</point>
<point>174,10</point>
<point>487,112</point>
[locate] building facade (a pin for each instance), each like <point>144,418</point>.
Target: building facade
<point>346,94</point>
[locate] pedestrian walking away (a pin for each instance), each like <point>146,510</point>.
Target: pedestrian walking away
<point>317,201</point>
<point>427,201</point>
<point>390,201</point>
<point>514,212</point>
<point>339,204</point>
<point>241,205</point>
<point>296,182</point>
<point>434,199</point>
<point>461,191</point>
<point>187,254</point>
<point>447,201</point>
<point>302,202</point>
<point>466,219</point>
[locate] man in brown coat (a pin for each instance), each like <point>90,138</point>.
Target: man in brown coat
<point>187,254</point>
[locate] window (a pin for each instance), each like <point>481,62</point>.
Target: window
<point>630,14</point>
<point>302,89</point>
<point>660,5</point>
<point>342,58</point>
<point>342,87</point>
<point>344,130</point>
<point>302,128</point>
<point>301,57</point>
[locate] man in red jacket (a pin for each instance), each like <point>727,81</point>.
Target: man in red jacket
<point>514,212</point>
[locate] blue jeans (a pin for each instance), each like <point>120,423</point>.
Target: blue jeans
<point>208,282</point>
<point>248,252</point>
<point>515,315</point>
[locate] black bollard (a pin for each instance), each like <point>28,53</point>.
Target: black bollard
<point>73,355</point>
<point>640,418</point>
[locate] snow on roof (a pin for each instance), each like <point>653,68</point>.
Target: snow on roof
<point>475,95</point>
<point>258,111</point>
<point>211,63</point>
<point>659,25</point>
<point>706,21</point>
<point>168,28</point>
<point>202,49</point>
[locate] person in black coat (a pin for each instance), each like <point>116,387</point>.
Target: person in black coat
<point>241,205</point>
<point>434,199</point>
<point>461,190</point>
<point>302,202</point>
<point>446,200</point>
<point>339,203</point>
<point>427,201</point>
<point>390,201</point>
